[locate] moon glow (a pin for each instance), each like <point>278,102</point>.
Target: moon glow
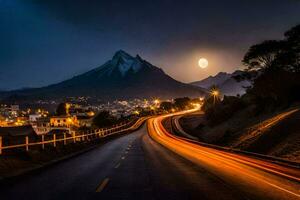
<point>203,63</point>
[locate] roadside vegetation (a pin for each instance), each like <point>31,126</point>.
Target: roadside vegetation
<point>264,119</point>
<point>178,104</point>
<point>274,68</point>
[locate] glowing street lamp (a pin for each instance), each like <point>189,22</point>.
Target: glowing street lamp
<point>214,93</point>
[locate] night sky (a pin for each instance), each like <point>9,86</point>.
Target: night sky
<point>46,41</point>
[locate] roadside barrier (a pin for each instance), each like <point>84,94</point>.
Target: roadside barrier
<point>73,138</point>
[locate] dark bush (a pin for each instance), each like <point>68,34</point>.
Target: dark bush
<point>220,111</point>
<point>167,106</point>
<point>104,119</point>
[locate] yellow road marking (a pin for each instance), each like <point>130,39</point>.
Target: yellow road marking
<point>102,185</point>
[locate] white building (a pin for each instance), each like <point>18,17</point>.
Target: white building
<point>34,117</point>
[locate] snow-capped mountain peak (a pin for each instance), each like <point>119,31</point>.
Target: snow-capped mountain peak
<point>124,62</point>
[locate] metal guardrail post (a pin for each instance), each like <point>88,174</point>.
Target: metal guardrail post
<point>54,140</point>
<point>0,145</point>
<point>27,142</point>
<point>43,140</point>
<point>65,141</point>
<point>74,139</point>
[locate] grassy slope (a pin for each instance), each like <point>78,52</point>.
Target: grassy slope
<point>275,134</point>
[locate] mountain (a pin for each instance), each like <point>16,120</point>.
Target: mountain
<point>225,82</point>
<point>122,77</point>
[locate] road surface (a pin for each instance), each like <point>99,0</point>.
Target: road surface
<point>136,166</point>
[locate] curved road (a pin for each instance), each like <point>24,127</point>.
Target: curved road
<point>136,166</point>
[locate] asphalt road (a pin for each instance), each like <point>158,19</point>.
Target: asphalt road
<point>131,167</point>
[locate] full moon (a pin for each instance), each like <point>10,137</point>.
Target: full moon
<point>203,63</point>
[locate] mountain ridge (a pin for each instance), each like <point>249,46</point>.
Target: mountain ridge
<point>122,77</point>
<point>225,82</point>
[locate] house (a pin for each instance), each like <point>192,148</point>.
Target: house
<point>34,117</point>
<point>42,126</point>
<point>64,121</point>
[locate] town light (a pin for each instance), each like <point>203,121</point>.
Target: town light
<point>152,108</point>
<point>156,101</point>
<point>91,114</point>
<point>68,106</point>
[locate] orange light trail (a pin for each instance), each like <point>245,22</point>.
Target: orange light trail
<point>259,175</point>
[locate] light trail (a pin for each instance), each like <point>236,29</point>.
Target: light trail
<point>261,176</point>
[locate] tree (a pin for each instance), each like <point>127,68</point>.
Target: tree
<point>274,69</point>
<point>167,106</point>
<point>292,54</point>
<point>103,119</point>
<point>261,56</point>
<point>293,37</point>
<point>219,111</point>
<point>62,110</point>
<point>211,101</point>
<point>182,103</point>
<point>274,88</point>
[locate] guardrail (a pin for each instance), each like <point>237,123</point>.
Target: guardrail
<point>272,159</point>
<point>96,134</point>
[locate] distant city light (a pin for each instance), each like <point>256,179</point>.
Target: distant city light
<point>136,112</point>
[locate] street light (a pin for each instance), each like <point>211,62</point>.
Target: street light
<point>214,92</point>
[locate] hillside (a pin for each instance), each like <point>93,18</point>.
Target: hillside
<point>276,134</point>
